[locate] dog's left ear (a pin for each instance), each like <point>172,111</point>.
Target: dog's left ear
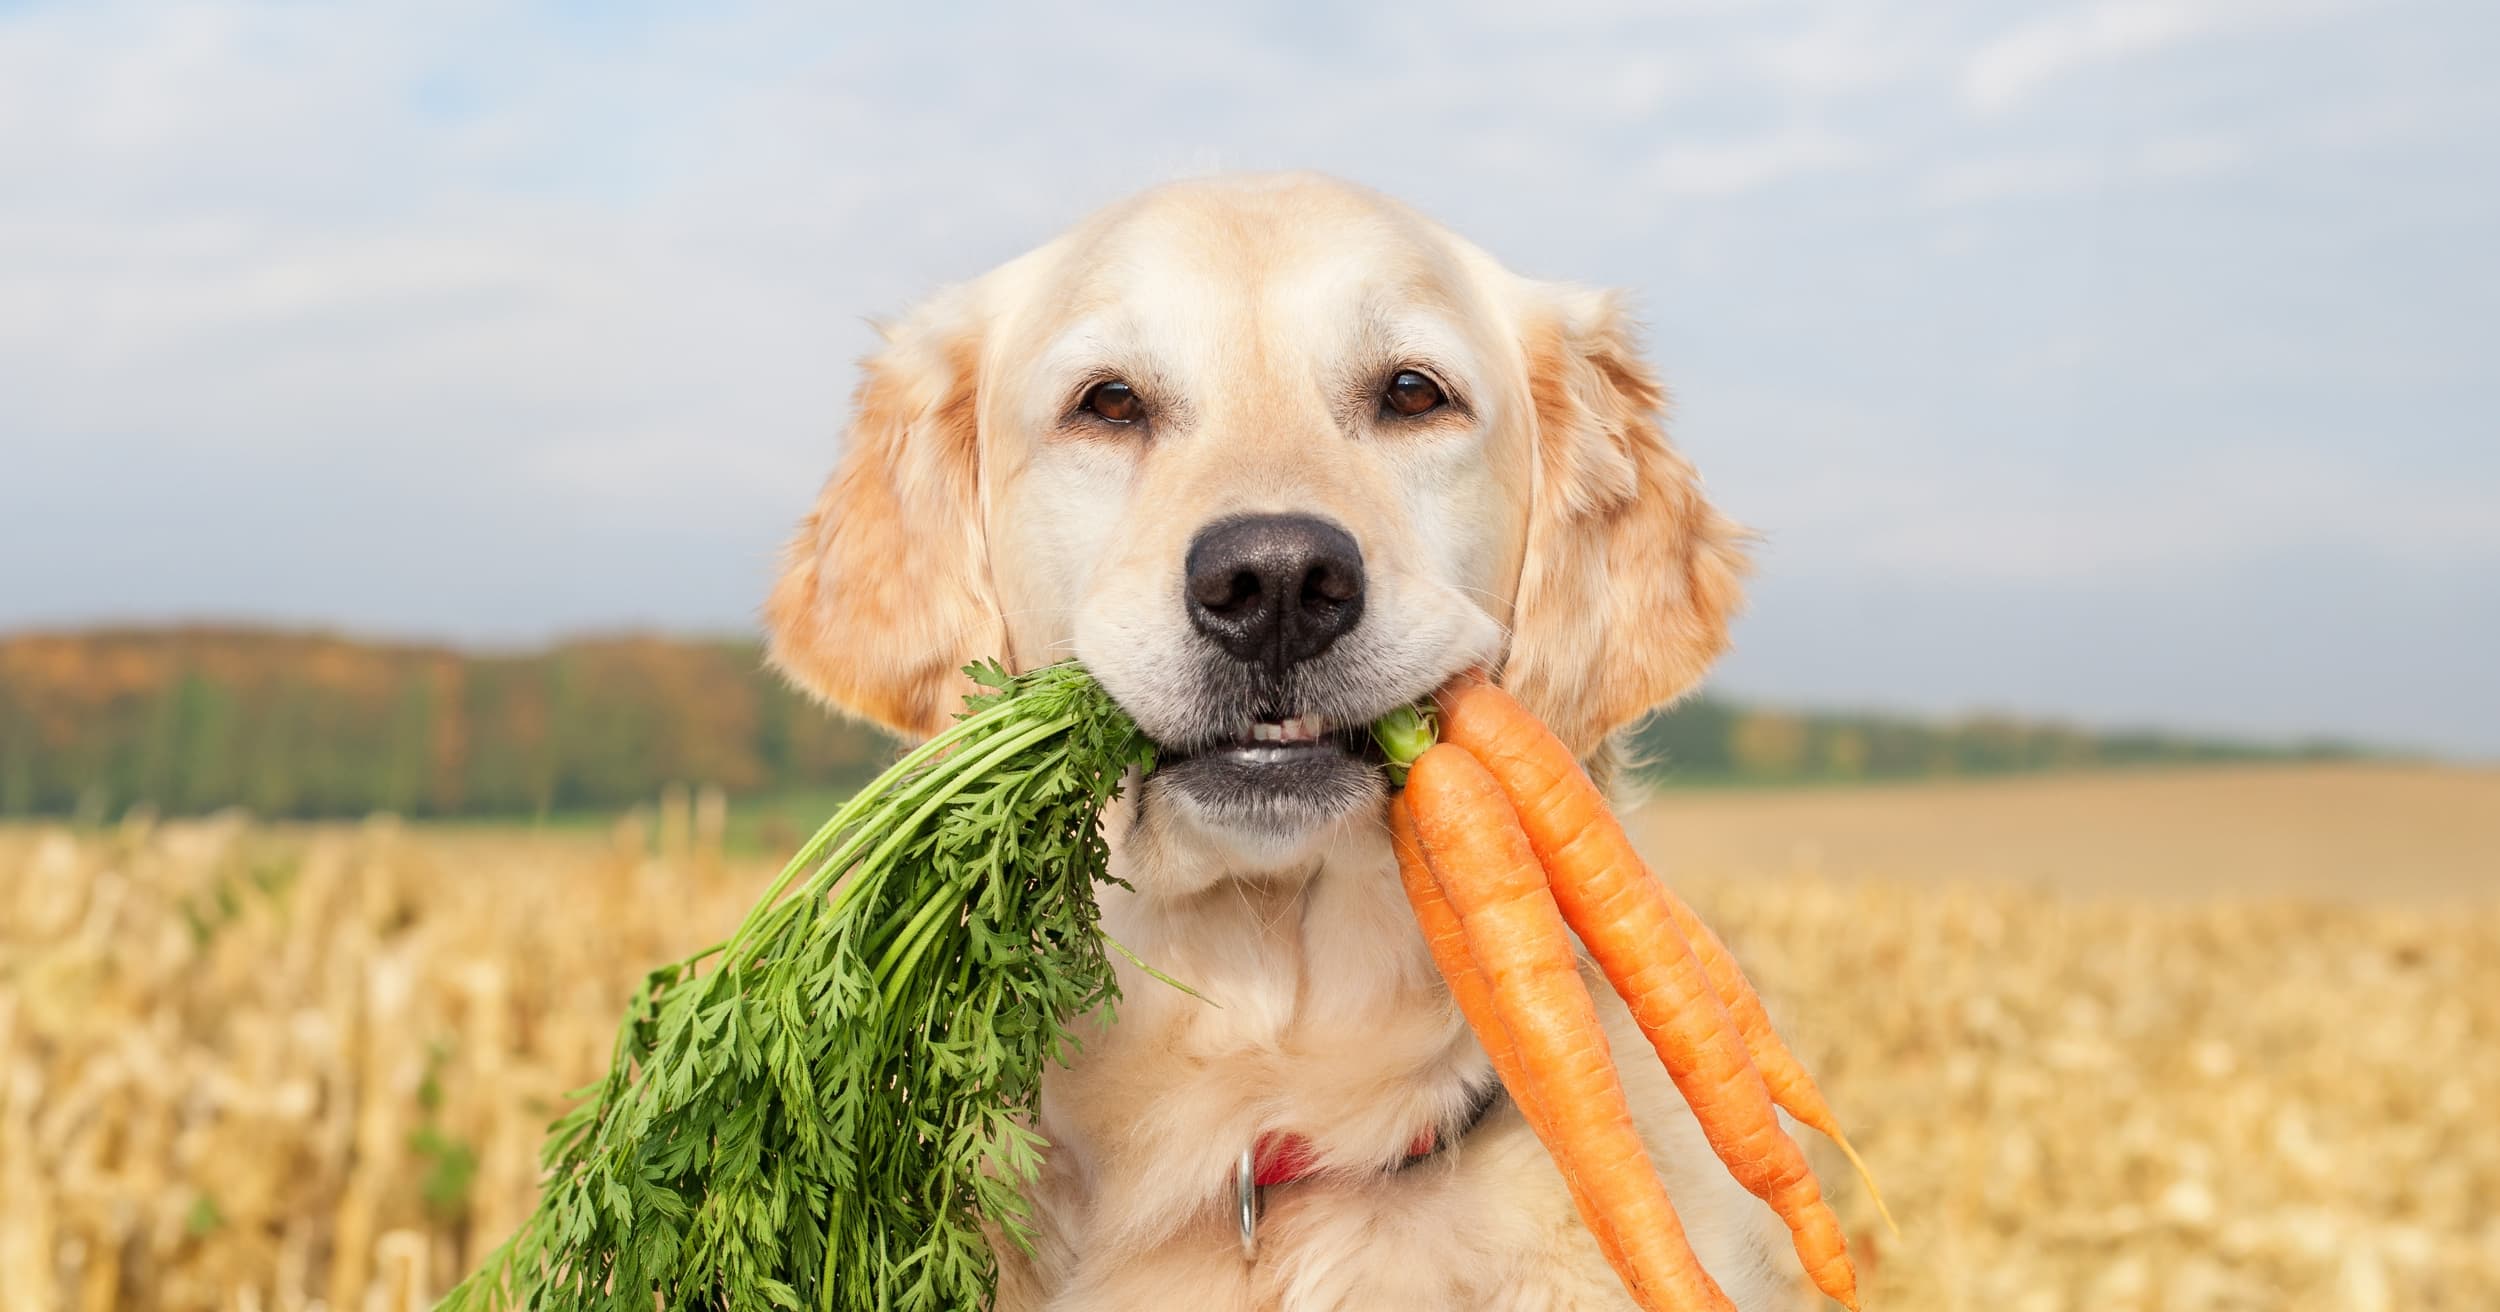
<point>885,591</point>
<point>1629,577</point>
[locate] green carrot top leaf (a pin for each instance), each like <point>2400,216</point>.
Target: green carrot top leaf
<point>824,1110</point>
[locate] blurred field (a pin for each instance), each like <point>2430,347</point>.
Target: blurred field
<point>2332,832</point>
<point>2098,1064</point>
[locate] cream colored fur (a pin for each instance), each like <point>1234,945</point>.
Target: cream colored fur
<point>1549,531</point>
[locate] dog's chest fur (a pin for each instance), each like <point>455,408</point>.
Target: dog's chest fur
<point>1322,1017</point>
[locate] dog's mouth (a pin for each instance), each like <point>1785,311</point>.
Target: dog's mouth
<point>1275,741</point>
<point>1276,773</point>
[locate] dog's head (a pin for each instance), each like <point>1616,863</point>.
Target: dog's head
<point>1270,456</point>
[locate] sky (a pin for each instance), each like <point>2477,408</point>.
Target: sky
<point>2125,362</point>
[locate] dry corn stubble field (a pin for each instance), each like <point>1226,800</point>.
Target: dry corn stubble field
<point>273,1069</point>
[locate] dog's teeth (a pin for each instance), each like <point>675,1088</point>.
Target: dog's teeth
<point>1291,729</point>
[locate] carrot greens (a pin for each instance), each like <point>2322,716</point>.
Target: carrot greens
<point>826,1109</point>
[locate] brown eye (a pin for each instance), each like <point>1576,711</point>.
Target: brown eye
<point>1410,393</point>
<point>1115,401</point>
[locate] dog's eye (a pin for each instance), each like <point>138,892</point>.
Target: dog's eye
<point>1410,393</point>
<point>1115,401</point>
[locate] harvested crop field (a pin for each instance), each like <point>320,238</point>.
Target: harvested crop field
<point>254,1069</point>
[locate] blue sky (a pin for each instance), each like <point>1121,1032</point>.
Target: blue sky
<point>2125,361</point>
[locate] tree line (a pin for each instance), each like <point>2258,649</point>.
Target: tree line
<point>1707,740</point>
<point>293,724</point>
<point>297,724</point>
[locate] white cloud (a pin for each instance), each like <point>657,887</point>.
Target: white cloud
<point>1731,168</point>
<point>1972,524</point>
<point>2008,69</point>
<point>2193,156</point>
<point>1852,49</point>
<point>2007,177</point>
<point>2012,66</point>
<point>2164,160</point>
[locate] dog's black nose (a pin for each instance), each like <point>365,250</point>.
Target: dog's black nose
<point>1274,589</point>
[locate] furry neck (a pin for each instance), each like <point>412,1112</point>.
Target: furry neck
<point>1321,1016</point>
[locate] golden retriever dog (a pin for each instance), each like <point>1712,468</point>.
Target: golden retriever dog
<point>1272,455</point>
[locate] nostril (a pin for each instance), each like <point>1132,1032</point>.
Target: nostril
<point>1330,582</point>
<point>1246,587</point>
<point>1219,590</point>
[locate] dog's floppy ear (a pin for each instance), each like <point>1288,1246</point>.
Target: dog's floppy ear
<point>1629,577</point>
<point>884,593</point>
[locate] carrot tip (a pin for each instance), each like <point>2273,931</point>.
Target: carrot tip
<point>1867,1177</point>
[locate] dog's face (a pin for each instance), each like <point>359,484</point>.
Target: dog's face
<point>1271,457</point>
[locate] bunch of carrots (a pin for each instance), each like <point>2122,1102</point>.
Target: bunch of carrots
<point>1506,848</point>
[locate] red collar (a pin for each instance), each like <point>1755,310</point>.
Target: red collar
<point>1278,1158</point>
<point>1283,1158</point>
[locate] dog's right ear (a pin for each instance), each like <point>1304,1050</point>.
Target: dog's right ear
<point>885,592</point>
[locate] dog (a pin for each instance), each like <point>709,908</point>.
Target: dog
<point>1272,455</point>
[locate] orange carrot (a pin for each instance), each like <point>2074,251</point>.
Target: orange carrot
<point>1448,940</point>
<point>1623,914</point>
<point>1791,1087</point>
<point>1515,936</point>
<point>1789,1083</point>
